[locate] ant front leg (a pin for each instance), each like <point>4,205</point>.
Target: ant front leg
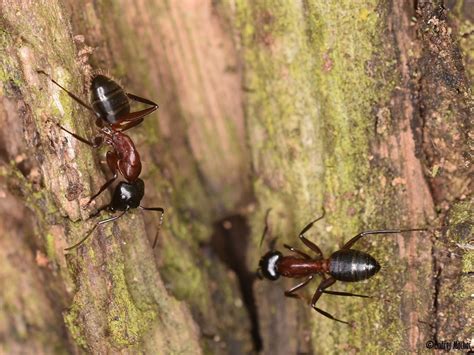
<point>323,285</point>
<point>112,162</point>
<point>351,242</point>
<point>99,210</point>
<point>307,242</point>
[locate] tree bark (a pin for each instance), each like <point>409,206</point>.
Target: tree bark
<point>362,109</point>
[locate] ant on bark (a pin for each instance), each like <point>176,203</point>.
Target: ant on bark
<point>111,106</point>
<point>345,265</point>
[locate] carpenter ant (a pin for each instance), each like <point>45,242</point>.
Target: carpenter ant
<point>112,107</point>
<point>126,196</point>
<point>345,264</point>
<point>110,103</point>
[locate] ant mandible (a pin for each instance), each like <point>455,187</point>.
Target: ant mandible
<point>345,265</point>
<point>112,108</point>
<point>126,196</point>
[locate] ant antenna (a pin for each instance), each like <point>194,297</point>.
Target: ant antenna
<point>159,209</point>
<point>93,228</point>
<point>265,229</point>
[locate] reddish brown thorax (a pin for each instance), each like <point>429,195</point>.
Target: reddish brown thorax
<point>291,266</point>
<point>129,163</point>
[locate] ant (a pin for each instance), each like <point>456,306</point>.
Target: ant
<point>112,108</point>
<point>345,265</point>
<point>126,196</point>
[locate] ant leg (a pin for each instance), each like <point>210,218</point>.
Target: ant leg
<point>134,118</point>
<point>307,242</point>
<point>304,255</point>
<point>324,284</point>
<point>93,228</point>
<point>159,209</point>
<point>102,189</point>
<point>96,213</point>
<point>97,141</point>
<point>351,242</point>
<point>291,291</point>
<point>142,100</point>
<point>112,160</point>
<point>130,124</point>
<point>338,293</point>
<point>74,97</point>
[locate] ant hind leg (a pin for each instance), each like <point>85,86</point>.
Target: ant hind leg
<point>320,290</point>
<point>352,241</point>
<point>339,293</point>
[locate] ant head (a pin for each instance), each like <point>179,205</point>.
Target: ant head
<point>127,195</point>
<point>268,265</point>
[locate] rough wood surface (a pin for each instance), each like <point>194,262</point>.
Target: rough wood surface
<point>363,108</point>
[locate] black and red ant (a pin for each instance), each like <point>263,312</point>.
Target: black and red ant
<point>111,106</point>
<point>345,265</point>
<point>126,196</point>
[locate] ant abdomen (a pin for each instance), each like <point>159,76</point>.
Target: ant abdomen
<point>108,99</point>
<point>352,265</point>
